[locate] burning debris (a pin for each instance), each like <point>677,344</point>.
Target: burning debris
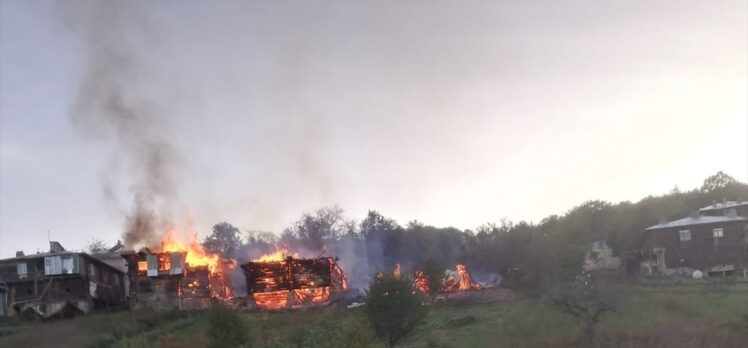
<point>453,281</point>
<point>282,281</point>
<point>459,280</point>
<point>180,274</point>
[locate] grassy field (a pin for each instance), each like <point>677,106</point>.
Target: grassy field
<point>649,315</point>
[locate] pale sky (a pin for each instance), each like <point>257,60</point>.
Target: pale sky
<point>450,112</point>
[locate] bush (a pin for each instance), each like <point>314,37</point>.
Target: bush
<point>394,307</point>
<point>356,334</point>
<point>226,328</point>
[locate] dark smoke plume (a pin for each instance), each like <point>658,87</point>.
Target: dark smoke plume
<point>117,101</point>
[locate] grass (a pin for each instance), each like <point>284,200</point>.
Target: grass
<point>662,315</point>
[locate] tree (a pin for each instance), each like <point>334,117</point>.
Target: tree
<point>585,301</point>
<point>383,239</point>
<point>96,246</point>
<point>717,181</point>
<point>224,240</point>
<point>315,231</point>
<point>394,307</point>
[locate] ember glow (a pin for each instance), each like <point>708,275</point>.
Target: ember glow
<point>282,280</point>
<point>453,281</point>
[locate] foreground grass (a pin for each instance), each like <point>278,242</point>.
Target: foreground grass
<point>648,316</point>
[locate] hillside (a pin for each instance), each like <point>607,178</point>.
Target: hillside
<point>697,314</point>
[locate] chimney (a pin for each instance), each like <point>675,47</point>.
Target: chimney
<point>55,247</point>
<point>20,253</point>
<point>695,214</point>
<point>117,247</point>
<point>662,221</point>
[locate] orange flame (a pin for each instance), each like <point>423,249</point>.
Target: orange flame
<point>172,241</point>
<point>459,280</point>
<point>277,255</point>
<point>421,283</point>
<point>465,283</point>
<point>304,291</point>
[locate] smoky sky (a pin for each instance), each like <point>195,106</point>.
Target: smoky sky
<point>117,101</point>
<point>452,113</point>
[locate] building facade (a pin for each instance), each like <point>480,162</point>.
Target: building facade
<point>58,283</point>
<point>713,245</point>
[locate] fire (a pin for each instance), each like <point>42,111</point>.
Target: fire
<point>465,283</point>
<point>457,280</point>
<point>281,280</point>
<point>278,255</point>
<point>142,266</point>
<point>196,254</point>
<point>421,283</point>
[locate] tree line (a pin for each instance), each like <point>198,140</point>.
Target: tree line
<point>526,254</point>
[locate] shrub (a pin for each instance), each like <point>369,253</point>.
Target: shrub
<point>226,328</point>
<point>394,307</point>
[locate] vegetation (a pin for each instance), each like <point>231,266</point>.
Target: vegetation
<point>394,307</point>
<point>434,276</point>
<point>534,257</point>
<point>226,328</point>
<point>224,240</point>
<point>648,315</point>
<point>96,246</point>
<point>586,302</point>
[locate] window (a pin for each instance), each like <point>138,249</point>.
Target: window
<point>142,266</point>
<point>68,265</point>
<point>718,232</point>
<point>52,265</point>
<point>685,235</point>
<point>22,270</point>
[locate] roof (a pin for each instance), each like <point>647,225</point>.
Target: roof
<point>701,220</point>
<point>62,253</point>
<point>38,255</point>
<point>724,205</point>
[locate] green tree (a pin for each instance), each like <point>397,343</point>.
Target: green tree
<point>394,307</point>
<point>224,240</point>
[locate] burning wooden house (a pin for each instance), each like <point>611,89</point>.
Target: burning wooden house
<point>173,279</point>
<point>58,283</point>
<point>275,282</point>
